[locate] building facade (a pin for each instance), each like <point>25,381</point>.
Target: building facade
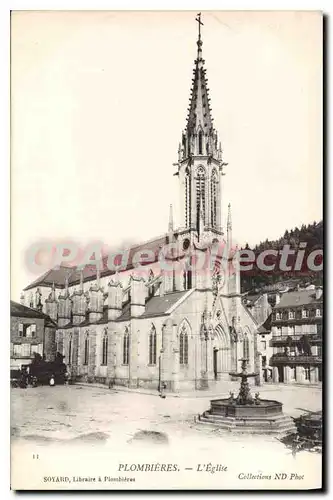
<point>31,331</point>
<point>181,325</point>
<point>265,349</point>
<point>297,337</point>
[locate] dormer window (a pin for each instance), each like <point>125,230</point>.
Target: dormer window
<point>318,313</point>
<point>305,313</point>
<point>278,316</point>
<point>291,315</point>
<point>86,350</point>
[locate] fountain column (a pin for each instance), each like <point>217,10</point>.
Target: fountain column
<point>259,379</point>
<point>247,413</point>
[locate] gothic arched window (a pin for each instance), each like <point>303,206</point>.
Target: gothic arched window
<point>152,345</point>
<point>126,347</point>
<point>183,346</point>
<point>213,191</point>
<point>105,343</point>
<point>187,198</point>
<point>246,348</point>
<point>187,275</point>
<point>201,193</point>
<point>200,142</point>
<point>86,349</point>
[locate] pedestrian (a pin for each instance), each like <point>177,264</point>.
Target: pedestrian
<point>52,382</point>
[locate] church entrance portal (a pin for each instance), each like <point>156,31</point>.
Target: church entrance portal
<point>221,354</point>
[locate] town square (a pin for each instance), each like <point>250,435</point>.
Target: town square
<point>157,343</point>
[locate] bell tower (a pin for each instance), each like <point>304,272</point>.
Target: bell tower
<point>200,164</point>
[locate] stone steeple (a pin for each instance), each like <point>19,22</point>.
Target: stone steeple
<point>199,117</point>
<point>200,163</point>
<point>199,136</point>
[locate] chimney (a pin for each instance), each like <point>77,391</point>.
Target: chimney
<point>138,296</point>
<point>319,292</point>
<point>22,299</point>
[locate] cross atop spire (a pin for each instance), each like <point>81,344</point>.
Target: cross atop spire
<point>198,19</point>
<point>199,116</point>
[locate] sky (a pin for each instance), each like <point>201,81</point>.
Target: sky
<point>99,101</point>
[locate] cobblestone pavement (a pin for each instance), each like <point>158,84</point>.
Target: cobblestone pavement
<point>105,425</point>
<point>66,412</point>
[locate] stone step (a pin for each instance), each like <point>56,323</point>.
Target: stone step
<point>250,425</point>
<point>277,418</point>
<point>281,430</point>
<point>237,424</point>
<point>285,425</point>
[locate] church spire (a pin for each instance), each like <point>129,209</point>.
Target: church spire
<point>200,157</point>
<point>199,117</point>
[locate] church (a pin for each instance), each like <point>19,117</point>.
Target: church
<point>180,325</point>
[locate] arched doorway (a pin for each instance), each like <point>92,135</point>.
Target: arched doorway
<point>221,353</point>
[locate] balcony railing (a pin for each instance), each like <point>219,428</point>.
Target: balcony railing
<point>282,339</point>
<point>297,321</point>
<point>278,358</point>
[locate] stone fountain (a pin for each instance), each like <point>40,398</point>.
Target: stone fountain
<point>245,414</point>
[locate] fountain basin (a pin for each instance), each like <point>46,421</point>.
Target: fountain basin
<point>245,414</point>
<point>225,408</point>
<point>263,418</point>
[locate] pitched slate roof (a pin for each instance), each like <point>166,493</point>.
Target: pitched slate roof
<point>58,274</point>
<point>266,325</point>
<point>298,298</point>
<point>155,306</point>
<point>20,311</point>
<point>250,300</point>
